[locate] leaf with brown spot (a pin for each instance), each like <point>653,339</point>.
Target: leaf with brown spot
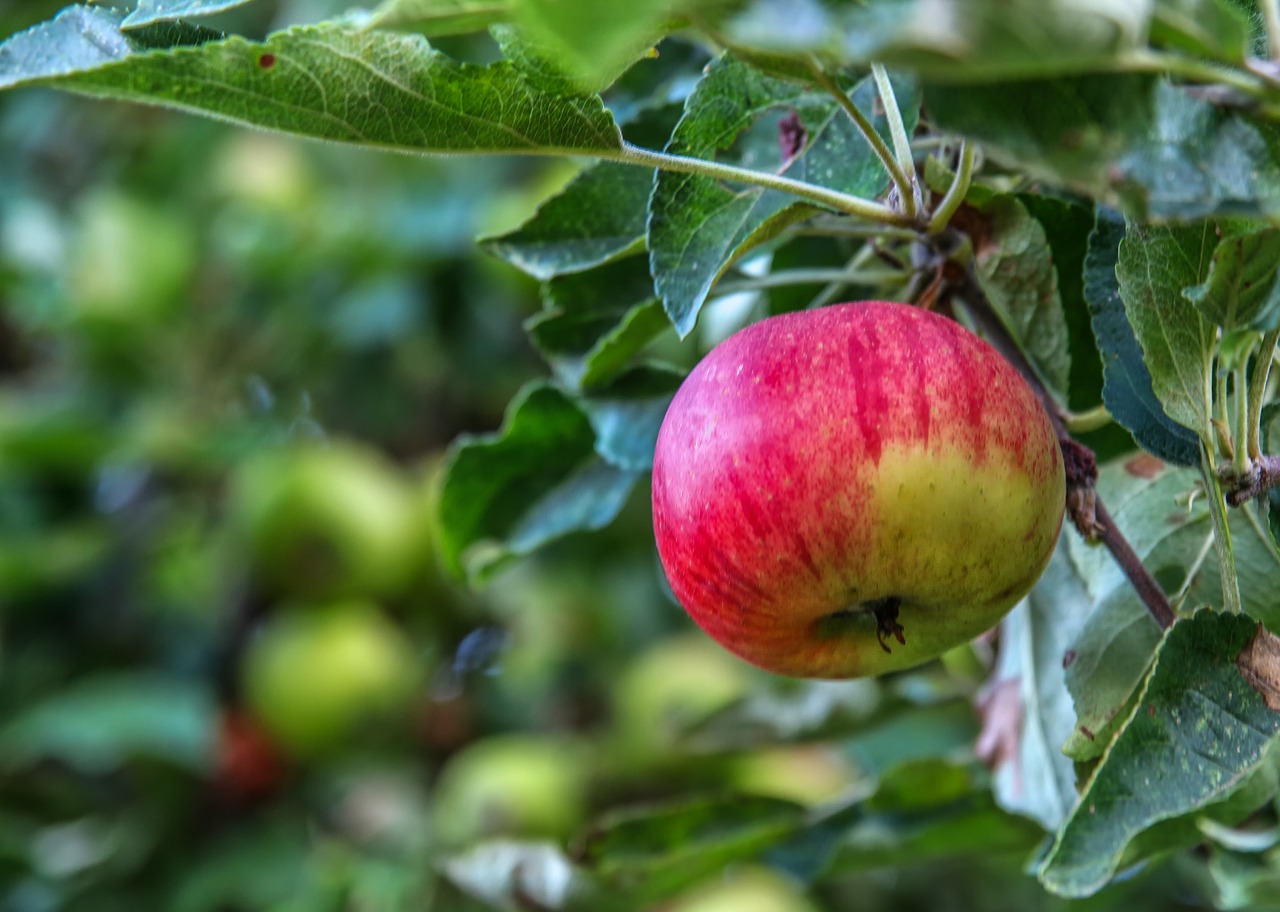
<point>1259,662</point>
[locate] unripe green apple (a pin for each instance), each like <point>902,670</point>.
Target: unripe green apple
<point>326,522</point>
<point>316,672</point>
<point>131,262</point>
<point>517,784</point>
<point>853,490</point>
<point>753,888</point>
<point>672,685</point>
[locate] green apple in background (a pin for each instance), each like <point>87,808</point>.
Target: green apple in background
<point>131,263</point>
<point>325,521</point>
<point>804,773</point>
<point>853,490</point>
<point>268,171</point>
<point>525,785</point>
<point>315,673</point>
<point>672,685</point>
<point>744,889</point>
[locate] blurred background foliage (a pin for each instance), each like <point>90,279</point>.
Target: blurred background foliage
<point>232,675</point>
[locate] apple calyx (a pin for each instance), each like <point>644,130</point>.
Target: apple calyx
<point>883,610</point>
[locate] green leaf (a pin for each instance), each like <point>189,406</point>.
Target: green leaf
<point>150,12</point>
<point>537,479</point>
<point>944,729</point>
<point>598,217</point>
<point>1242,289</point>
<point>595,42</point>
<point>1174,542</point>
<point>654,851</point>
<point>1153,266</point>
<point>1197,733</point>
<point>1204,28</point>
<point>327,81</point>
<point>1067,223</point>
<point>1122,138</point>
<point>627,414</point>
<point>435,18</point>
<point>1107,661</point>
<point>593,323</point>
<point>1015,268</point>
<point>1127,390</point>
<point>699,226</point>
<point>923,811</point>
<point>98,723</point>
<point>629,859</point>
<point>1244,880</point>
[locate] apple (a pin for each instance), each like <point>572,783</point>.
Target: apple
<point>328,521</point>
<point>854,490</point>
<point>750,888</point>
<point>131,262</point>
<point>517,784</point>
<point>810,774</point>
<point>669,687</point>
<point>315,673</point>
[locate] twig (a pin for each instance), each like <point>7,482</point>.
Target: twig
<point>1261,477</point>
<point>1139,577</point>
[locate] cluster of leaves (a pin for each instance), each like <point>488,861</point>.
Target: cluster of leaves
<point>756,157</point>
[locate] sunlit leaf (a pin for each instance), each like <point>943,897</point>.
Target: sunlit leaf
<point>150,12</point>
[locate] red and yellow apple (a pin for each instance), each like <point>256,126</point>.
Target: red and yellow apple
<point>853,490</point>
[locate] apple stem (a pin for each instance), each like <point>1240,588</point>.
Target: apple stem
<point>1088,513</point>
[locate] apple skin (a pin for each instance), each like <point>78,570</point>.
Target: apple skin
<point>820,467</point>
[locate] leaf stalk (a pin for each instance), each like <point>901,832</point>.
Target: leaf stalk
<point>955,194</point>
<point>905,185</point>
<point>843,202</point>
